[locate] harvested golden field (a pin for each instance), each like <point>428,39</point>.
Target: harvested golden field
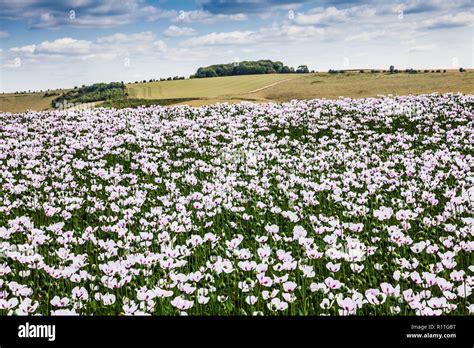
<point>208,87</point>
<point>11,102</point>
<point>360,85</point>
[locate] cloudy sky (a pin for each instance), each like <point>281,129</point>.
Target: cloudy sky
<point>53,44</point>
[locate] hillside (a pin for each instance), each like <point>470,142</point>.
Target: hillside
<point>11,102</point>
<point>357,85</point>
<point>269,88</point>
<point>205,88</point>
<point>282,87</point>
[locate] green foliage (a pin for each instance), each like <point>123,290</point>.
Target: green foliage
<point>302,69</point>
<point>51,93</point>
<point>95,92</point>
<point>247,68</point>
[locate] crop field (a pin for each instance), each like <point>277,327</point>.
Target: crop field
<point>206,87</point>
<point>318,207</point>
<point>285,87</point>
<point>12,102</point>
<point>357,85</point>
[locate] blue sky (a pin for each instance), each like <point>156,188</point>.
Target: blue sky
<point>54,44</point>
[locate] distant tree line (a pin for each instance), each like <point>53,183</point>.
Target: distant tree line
<point>392,70</point>
<point>162,79</point>
<point>248,68</point>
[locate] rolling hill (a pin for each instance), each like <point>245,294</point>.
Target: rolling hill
<point>269,88</point>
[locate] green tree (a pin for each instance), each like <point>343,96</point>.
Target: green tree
<point>302,69</point>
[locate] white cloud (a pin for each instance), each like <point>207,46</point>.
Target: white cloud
<point>159,45</point>
<point>4,34</point>
<point>206,17</point>
<point>13,63</point>
<point>320,16</point>
<point>449,21</point>
<point>29,49</point>
<point>65,46</point>
<point>224,38</point>
<point>120,44</point>
<point>332,15</point>
<point>276,33</point>
<point>366,35</point>
<point>422,48</point>
<point>298,32</point>
<point>108,48</point>
<point>48,14</point>
<point>417,7</point>
<point>119,38</point>
<point>175,31</point>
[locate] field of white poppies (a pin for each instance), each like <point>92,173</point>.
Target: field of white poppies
<point>322,207</point>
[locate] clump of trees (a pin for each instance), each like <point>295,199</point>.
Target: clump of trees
<point>247,68</point>
<point>49,93</point>
<point>302,69</point>
<point>95,92</point>
<point>392,70</point>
